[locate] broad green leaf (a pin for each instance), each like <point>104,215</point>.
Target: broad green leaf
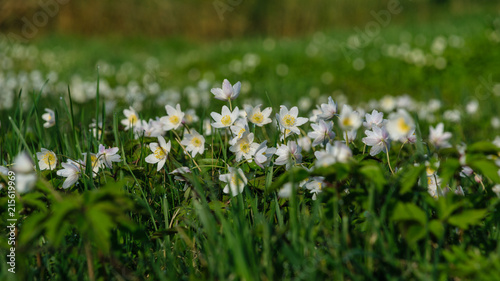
<point>374,174</point>
<point>487,168</point>
<point>484,147</point>
<point>409,212</point>
<point>410,177</point>
<point>468,218</point>
<point>100,225</point>
<point>437,228</point>
<point>415,233</point>
<point>448,169</point>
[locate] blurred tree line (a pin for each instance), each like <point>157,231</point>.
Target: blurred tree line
<point>204,19</point>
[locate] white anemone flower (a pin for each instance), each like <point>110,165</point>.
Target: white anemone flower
<point>194,143</point>
<point>322,132</point>
<point>25,173</point>
<point>235,180</point>
<point>132,119</point>
<point>378,139</point>
<point>350,136</point>
<point>239,128</point>
<point>94,161</point>
<point>438,137</point>
<point>4,170</point>
<point>258,117</point>
<point>400,124</point>
<point>190,117</point>
<point>315,186</point>
<point>286,190</point>
<point>226,119</point>
<point>374,119</point>
<point>433,182</point>
<point>349,119</point>
<point>264,154</point>
<point>152,128</point>
<point>160,152</point>
<point>47,160</point>
<point>227,92</point>
<point>305,143</point>
<point>328,110</point>
<point>315,114</point>
<point>207,127</point>
<point>174,118</point>
<point>411,137</point>
<point>244,147</point>
<point>338,152</point>
<point>496,189</point>
<point>289,120</point>
<point>108,156</point>
<point>71,171</point>
<point>49,117</point>
<point>288,155</point>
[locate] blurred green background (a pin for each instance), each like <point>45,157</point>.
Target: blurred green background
<point>209,20</point>
<point>152,53</point>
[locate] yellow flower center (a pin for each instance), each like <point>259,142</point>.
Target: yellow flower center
<point>403,126</point>
<point>49,160</point>
<point>196,141</point>
<point>429,180</point>
<point>320,186</point>
<point>235,180</point>
<point>347,122</point>
<point>159,153</point>
<point>174,119</point>
<point>132,119</point>
<point>289,120</point>
<point>245,147</point>
<point>49,117</point>
<point>240,133</point>
<point>93,160</point>
<point>257,117</point>
<point>226,120</point>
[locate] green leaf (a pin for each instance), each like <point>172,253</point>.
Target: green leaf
<point>415,233</point>
<point>409,212</point>
<point>374,174</point>
<point>335,172</point>
<point>467,218</point>
<point>448,169</point>
<point>410,177</point>
<point>445,207</point>
<point>296,173</point>
<point>100,225</point>
<point>437,228</point>
<point>487,168</point>
<point>484,147</point>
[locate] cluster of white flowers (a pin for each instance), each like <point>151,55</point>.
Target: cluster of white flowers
<point>241,127</point>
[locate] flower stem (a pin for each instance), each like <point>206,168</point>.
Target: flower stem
<point>388,158</point>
